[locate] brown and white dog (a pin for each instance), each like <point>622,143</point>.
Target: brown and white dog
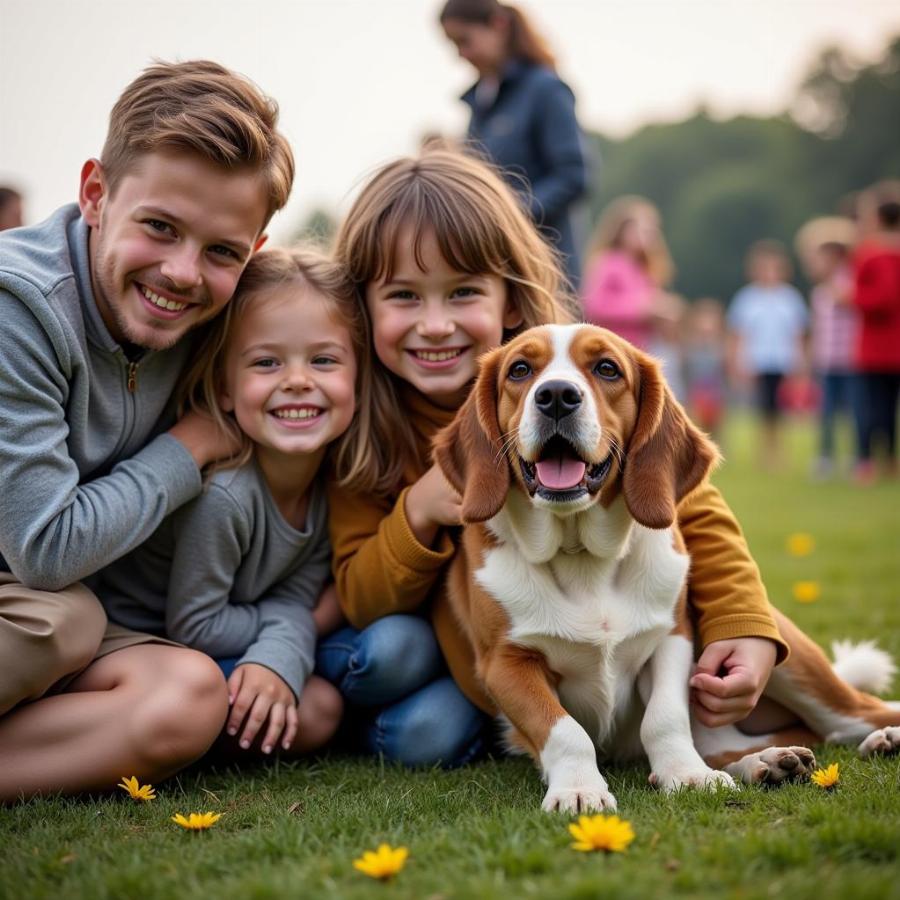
<point>571,456</point>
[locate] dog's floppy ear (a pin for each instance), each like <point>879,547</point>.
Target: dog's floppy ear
<point>468,450</point>
<point>667,456</point>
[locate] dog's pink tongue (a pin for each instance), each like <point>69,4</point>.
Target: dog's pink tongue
<point>560,472</point>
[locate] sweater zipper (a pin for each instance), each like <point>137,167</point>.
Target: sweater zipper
<point>132,377</point>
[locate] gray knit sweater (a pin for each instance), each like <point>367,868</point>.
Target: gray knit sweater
<point>226,574</point>
<point>83,476</point>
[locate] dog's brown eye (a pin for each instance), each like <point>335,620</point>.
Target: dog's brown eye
<point>607,369</point>
<point>519,370</point>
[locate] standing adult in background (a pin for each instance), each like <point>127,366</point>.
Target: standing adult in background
<point>523,116</point>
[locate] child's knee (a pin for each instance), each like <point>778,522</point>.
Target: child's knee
<point>395,656</point>
<point>319,712</point>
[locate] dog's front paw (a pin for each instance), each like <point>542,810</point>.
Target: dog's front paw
<point>578,793</point>
<point>774,765</point>
<point>693,777</point>
<point>884,740</point>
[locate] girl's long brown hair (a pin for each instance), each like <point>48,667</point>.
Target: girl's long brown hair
<point>480,228</point>
<point>294,269</point>
<point>525,43</point>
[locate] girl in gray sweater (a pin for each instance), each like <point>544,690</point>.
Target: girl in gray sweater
<point>238,572</point>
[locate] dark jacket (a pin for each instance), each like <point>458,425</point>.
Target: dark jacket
<point>529,129</point>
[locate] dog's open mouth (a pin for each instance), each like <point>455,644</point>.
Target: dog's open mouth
<point>561,474</point>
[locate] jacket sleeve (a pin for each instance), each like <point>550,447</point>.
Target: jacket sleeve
<point>211,537</point>
<point>559,144</point>
<point>286,636</point>
<point>725,590</point>
<point>56,530</point>
<point>379,566</point>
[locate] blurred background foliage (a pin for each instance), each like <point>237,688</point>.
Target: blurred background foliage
<point>720,185</point>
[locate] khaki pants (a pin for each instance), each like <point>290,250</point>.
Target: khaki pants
<point>48,637</point>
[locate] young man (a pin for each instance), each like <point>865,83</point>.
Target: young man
<point>96,304</point>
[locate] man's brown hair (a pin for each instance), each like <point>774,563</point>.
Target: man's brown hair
<point>202,108</point>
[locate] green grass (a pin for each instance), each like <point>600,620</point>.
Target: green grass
<point>292,830</point>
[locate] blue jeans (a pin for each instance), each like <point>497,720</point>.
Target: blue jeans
<point>402,702</point>
<point>837,397</point>
<point>876,412</point>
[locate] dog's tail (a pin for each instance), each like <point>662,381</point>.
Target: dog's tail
<point>863,665</point>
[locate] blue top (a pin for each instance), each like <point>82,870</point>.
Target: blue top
<point>770,322</point>
<point>528,129</point>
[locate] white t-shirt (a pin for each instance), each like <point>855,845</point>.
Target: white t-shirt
<point>770,322</point>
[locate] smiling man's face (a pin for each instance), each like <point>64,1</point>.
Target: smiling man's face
<point>169,243</point>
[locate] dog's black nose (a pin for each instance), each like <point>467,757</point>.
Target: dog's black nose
<point>557,399</point>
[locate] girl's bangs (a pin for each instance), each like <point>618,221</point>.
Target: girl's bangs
<point>467,239</point>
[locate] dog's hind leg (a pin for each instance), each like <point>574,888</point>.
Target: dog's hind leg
<point>834,710</point>
<point>757,758</point>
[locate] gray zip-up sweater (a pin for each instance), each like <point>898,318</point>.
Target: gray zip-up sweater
<point>226,574</point>
<point>83,480</point>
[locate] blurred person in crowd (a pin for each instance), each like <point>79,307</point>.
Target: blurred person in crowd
<point>628,268</point>
<point>876,295</point>
<point>824,246</point>
<point>667,342</point>
<point>767,324</point>
<point>436,140</point>
<point>522,116</point>
<point>705,364</point>
<point>11,215</point>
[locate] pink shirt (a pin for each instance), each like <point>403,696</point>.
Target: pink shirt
<point>618,294</point>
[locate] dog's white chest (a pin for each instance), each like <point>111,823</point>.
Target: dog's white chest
<point>595,619</point>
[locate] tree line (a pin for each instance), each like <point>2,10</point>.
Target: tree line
<point>720,185</point>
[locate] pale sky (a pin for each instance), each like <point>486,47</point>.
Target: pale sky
<point>359,81</point>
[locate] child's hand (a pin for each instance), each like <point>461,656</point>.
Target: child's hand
<point>204,439</point>
<point>260,692</point>
<point>723,697</point>
<point>430,503</point>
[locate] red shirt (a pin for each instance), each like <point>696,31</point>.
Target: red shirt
<point>876,294</point>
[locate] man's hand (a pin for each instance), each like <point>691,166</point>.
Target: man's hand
<point>257,693</point>
<point>729,679</point>
<point>204,439</point>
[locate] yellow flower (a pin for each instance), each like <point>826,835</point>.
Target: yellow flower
<point>806,591</point>
<point>383,863</point>
<point>197,821</point>
<point>800,544</point>
<point>609,833</point>
<point>135,791</point>
<point>826,778</point>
